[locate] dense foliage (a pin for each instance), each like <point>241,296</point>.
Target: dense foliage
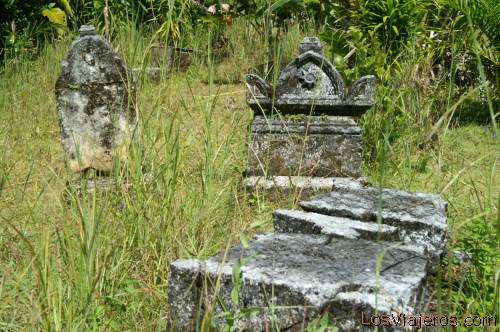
<point>374,29</point>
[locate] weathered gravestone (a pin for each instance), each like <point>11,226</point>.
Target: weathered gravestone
<point>353,253</point>
<point>305,126</point>
<point>332,258</point>
<point>96,104</point>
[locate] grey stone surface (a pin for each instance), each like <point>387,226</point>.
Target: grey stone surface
<point>321,260</point>
<point>293,278</point>
<point>310,84</point>
<point>348,183</point>
<point>305,186</point>
<point>320,146</point>
<point>304,125</point>
<point>310,44</point>
<point>95,103</point>
<point>290,221</point>
<point>419,217</point>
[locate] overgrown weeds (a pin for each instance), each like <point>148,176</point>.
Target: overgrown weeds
<point>98,260</point>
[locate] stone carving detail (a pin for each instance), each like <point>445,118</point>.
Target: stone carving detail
<point>308,77</point>
<point>258,89</point>
<point>310,84</point>
<point>312,133</point>
<point>95,103</point>
<point>361,92</point>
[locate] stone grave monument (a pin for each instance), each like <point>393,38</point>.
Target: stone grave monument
<point>95,103</point>
<point>332,258</point>
<point>304,130</point>
<point>353,253</point>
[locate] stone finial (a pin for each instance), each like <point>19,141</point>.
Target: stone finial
<point>87,30</point>
<point>95,103</point>
<point>310,44</point>
<point>311,83</point>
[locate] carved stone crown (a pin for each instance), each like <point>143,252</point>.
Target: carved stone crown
<point>310,83</point>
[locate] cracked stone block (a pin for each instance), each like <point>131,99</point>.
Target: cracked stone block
<point>290,221</point>
<point>95,104</point>
<point>419,217</point>
<point>290,279</point>
<point>315,146</point>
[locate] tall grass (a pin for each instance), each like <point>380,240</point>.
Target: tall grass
<point>84,261</point>
<point>98,260</point>
<point>415,139</point>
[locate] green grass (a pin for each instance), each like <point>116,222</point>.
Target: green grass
<point>100,262</point>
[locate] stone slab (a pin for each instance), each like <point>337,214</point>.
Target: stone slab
<point>305,186</point>
<point>305,124</point>
<point>306,182</point>
<point>291,221</point>
<point>419,217</point>
<point>293,278</point>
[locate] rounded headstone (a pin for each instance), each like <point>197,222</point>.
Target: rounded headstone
<point>91,60</point>
<point>95,103</point>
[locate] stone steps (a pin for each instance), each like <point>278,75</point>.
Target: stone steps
<point>295,277</point>
<point>419,217</point>
<point>342,263</point>
<point>354,251</point>
<point>276,186</point>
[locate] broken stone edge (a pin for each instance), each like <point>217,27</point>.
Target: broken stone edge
<point>192,280</point>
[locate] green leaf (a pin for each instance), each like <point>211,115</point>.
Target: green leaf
<point>281,3</point>
<point>244,240</point>
<point>258,224</point>
<point>324,320</point>
<point>248,312</point>
<point>245,260</point>
<point>55,15</point>
<point>67,7</point>
<point>278,4</point>
<point>98,4</point>
<point>235,292</point>
<point>236,278</point>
